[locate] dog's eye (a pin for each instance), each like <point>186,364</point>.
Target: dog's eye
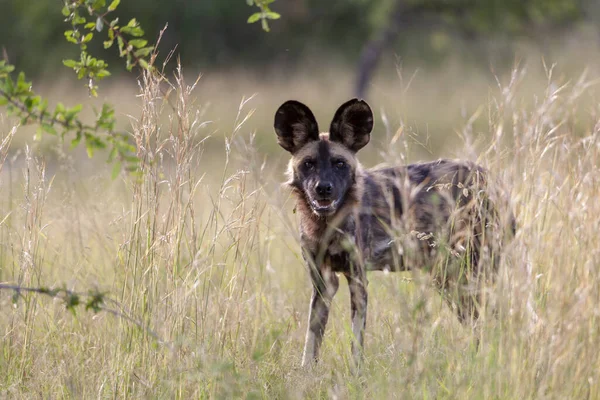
<point>340,164</point>
<point>309,164</point>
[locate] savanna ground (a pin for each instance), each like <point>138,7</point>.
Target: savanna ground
<point>201,249</point>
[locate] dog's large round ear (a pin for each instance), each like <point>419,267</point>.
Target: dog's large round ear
<point>295,126</point>
<point>352,125</point>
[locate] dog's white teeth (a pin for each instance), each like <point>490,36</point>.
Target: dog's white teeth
<point>323,203</point>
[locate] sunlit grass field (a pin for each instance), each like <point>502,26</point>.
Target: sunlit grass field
<point>206,292</point>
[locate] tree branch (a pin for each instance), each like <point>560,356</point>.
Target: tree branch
<point>96,302</point>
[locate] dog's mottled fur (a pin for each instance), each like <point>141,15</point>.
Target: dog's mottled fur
<point>442,216</point>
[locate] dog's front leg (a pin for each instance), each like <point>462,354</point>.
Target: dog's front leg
<point>325,285</point>
<point>357,283</point>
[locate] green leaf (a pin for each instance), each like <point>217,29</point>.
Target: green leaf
<point>144,64</point>
<point>130,158</point>
<point>128,62</point>
<point>72,301</point>
<point>95,302</point>
<point>135,31</point>
<point>112,154</point>
<point>272,15</point>
<point>43,106</point>
<point>70,63</point>
<point>98,4</point>
<point>5,69</point>
<point>78,20</point>
<point>137,43</point>
<point>70,36</point>
<point>143,52</point>
<point>66,11</point>
<point>72,112</point>
<point>49,129</point>
<point>60,108</point>
<point>90,25</point>
<point>254,17</point>
<point>75,142</point>
<point>89,148</point>
<point>113,6</point>
<point>8,85</point>
<point>21,80</point>
<point>103,73</point>
<point>121,45</point>
<point>29,103</point>
<point>131,168</point>
<point>116,170</point>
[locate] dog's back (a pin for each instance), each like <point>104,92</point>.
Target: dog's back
<point>411,215</point>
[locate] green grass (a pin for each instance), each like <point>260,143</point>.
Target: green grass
<point>203,253</point>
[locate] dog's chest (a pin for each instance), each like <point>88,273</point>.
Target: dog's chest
<point>335,245</point>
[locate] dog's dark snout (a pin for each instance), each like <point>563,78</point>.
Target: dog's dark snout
<point>324,188</point>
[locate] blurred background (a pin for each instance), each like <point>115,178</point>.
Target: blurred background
<point>202,245</point>
<point>425,65</point>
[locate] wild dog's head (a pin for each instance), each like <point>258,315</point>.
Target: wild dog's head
<point>323,166</point>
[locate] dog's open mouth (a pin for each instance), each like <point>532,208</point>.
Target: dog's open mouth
<point>324,206</point>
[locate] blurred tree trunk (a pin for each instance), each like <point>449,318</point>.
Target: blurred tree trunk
<point>371,52</point>
<point>402,15</point>
<point>469,19</point>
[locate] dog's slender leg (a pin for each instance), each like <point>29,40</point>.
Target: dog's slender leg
<point>357,283</point>
<point>325,285</point>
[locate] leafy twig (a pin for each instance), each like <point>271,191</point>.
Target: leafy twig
<point>22,102</point>
<point>93,300</point>
<point>264,15</point>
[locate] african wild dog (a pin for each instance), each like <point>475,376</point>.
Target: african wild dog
<point>440,216</point>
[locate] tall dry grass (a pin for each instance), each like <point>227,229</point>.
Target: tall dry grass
<point>201,249</point>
